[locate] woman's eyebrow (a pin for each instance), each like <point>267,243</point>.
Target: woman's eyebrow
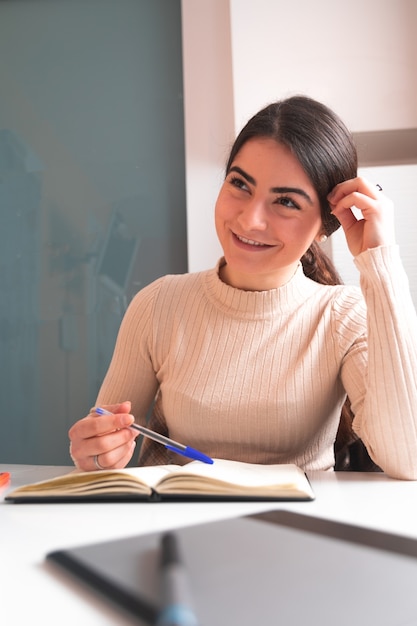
<point>239,170</point>
<point>252,181</point>
<point>301,192</point>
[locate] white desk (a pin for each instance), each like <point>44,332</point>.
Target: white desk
<point>31,591</point>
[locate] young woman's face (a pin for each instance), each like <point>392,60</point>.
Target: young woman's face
<point>267,215</point>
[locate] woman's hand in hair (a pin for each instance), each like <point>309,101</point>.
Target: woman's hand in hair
<point>365,213</point>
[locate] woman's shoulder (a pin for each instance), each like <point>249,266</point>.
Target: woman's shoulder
<point>170,286</point>
<point>348,308</point>
<point>186,281</point>
<point>345,300</point>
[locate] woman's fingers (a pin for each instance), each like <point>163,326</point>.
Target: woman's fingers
<point>365,213</point>
<point>360,185</point>
<point>107,436</point>
<point>121,407</point>
<point>117,458</point>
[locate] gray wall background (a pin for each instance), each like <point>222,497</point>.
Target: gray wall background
<point>92,198</point>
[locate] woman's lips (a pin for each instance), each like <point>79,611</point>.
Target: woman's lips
<point>250,242</point>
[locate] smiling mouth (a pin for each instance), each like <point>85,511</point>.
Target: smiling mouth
<point>251,242</point>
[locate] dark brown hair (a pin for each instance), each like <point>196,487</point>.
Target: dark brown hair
<point>317,137</point>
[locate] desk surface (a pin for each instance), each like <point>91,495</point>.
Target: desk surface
<point>31,590</point>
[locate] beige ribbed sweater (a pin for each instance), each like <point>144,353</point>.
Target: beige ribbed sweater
<point>262,376</point>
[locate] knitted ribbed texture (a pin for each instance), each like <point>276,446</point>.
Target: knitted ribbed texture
<point>262,376</point>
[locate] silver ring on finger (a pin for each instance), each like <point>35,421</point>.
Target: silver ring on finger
<point>97,464</point>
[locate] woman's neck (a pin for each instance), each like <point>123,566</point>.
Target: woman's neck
<point>256,282</point>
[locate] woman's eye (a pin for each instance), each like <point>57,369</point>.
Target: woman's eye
<point>287,202</point>
<point>235,181</point>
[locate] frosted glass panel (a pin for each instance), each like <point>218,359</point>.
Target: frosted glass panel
<point>92,198</point>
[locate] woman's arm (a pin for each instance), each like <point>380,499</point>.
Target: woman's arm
<point>128,390</point>
<point>387,422</point>
<point>386,408</point>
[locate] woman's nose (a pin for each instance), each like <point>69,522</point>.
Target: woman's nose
<point>253,216</point>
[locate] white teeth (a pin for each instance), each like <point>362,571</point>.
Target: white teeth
<point>251,242</point>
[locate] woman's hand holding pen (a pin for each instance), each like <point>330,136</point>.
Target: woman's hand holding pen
<point>375,227</point>
<point>103,441</point>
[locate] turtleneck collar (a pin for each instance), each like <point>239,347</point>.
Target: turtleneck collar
<point>257,304</point>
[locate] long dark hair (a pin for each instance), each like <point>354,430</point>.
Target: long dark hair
<point>323,145</point>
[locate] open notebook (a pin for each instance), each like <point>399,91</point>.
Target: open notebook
<point>224,479</point>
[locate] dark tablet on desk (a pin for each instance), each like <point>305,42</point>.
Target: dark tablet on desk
<point>276,568</point>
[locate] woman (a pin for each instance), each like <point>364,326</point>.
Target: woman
<point>253,360</point>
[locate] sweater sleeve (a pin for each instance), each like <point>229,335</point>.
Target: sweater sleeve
<point>131,374</point>
<point>386,416</point>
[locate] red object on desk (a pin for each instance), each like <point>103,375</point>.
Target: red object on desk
<point>4,479</point>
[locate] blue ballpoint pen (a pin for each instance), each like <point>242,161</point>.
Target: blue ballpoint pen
<point>170,444</point>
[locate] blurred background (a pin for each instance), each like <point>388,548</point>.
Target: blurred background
<point>92,199</point>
